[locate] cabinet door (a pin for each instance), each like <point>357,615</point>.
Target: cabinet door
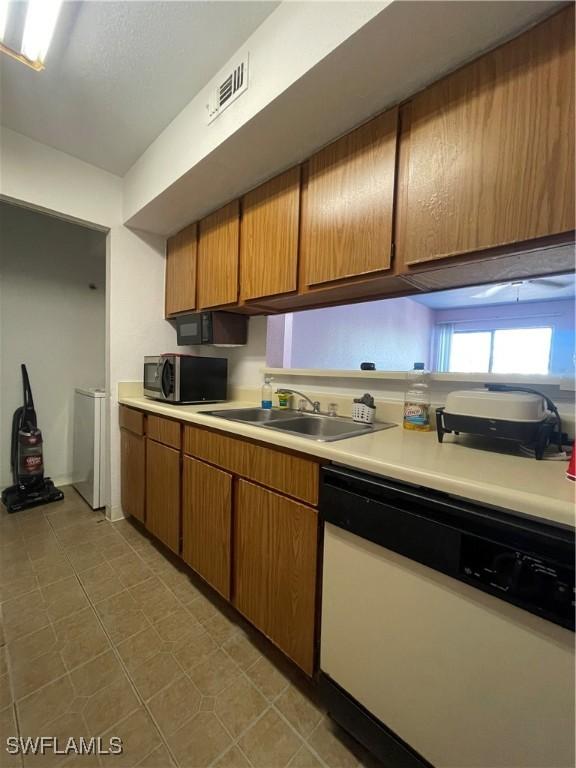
<point>275,562</point>
<point>163,493</point>
<point>218,244</point>
<point>347,204</point>
<point>181,251</point>
<point>207,522</point>
<point>487,153</point>
<point>269,237</point>
<point>132,474</point>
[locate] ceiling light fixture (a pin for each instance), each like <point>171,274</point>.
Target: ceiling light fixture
<point>3,17</point>
<point>41,18</point>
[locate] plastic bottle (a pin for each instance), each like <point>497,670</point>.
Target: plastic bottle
<point>267,392</point>
<point>417,400</point>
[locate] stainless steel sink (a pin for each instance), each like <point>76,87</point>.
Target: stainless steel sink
<point>326,428</point>
<point>253,415</point>
<point>312,426</point>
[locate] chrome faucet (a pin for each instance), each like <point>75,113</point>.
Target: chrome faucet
<point>314,403</point>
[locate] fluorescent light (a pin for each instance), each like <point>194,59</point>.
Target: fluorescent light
<point>41,20</point>
<point>3,17</point>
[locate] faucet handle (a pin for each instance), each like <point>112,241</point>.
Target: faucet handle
<point>332,409</point>
<point>301,404</point>
<point>316,406</point>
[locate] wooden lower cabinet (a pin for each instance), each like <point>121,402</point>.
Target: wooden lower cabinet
<point>207,522</point>
<point>275,563</point>
<point>163,493</point>
<point>258,548</point>
<point>133,474</point>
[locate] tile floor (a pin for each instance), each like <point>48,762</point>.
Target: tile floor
<point>103,633</point>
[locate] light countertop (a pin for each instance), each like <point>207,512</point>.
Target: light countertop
<point>463,467</point>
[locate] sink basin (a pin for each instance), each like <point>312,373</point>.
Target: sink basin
<point>312,426</point>
<point>326,428</point>
<point>254,415</point>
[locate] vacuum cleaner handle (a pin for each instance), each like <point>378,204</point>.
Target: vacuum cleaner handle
<point>28,414</point>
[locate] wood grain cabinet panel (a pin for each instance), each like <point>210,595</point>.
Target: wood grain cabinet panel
<point>346,213</point>
<point>218,255</point>
<point>276,469</point>
<point>163,493</point>
<point>165,431</point>
<point>132,474</point>
<point>181,257</point>
<point>269,237</point>
<point>487,153</point>
<point>131,419</point>
<point>207,522</point>
<point>275,564</point>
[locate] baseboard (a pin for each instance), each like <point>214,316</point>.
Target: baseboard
<point>115,513</point>
<point>62,480</point>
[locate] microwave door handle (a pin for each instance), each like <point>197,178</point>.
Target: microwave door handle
<point>163,380</point>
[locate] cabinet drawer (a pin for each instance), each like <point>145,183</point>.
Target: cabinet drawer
<point>164,431</point>
<point>275,469</point>
<point>131,420</point>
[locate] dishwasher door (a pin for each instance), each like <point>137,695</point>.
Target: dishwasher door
<point>462,677</point>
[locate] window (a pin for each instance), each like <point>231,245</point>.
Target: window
<point>513,350</point>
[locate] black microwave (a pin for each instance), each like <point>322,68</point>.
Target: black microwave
<point>186,378</point>
<point>218,328</point>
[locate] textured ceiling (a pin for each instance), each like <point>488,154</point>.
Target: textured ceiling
<point>118,72</point>
<point>564,287</point>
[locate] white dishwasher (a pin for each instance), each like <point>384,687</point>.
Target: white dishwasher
<point>447,628</point>
<point>89,445</point>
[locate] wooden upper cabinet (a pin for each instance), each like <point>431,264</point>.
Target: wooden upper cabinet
<point>269,237</point>
<point>487,153</point>
<point>347,204</point>
<point>181,253</point>
<point>218,246</point>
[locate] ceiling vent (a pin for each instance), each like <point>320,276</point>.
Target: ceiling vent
<point>230,87</point>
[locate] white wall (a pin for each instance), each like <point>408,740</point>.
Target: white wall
<point>392,333</point>
<point>245,363</point>
<point>136,323</point>
<point>311,29</point>
<point>43,178</point>
<point>51,320</point>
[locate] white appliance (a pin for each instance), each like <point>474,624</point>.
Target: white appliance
<point>89,444</point>
<point>447,628</point>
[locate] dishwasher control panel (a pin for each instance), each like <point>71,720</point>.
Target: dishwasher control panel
<point>526,562</point>
<point>537,583</point>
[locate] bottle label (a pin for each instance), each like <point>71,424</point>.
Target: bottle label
<point>266,404</point>
<point>417,415</point>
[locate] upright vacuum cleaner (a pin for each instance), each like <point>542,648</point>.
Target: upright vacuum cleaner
<point>30,487</point>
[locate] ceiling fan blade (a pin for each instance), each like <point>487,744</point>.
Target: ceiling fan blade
<point>551,282</point>
<point>494,289</point>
